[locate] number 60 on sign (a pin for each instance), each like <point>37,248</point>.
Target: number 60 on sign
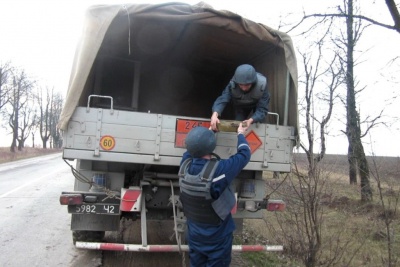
<point>107,142</point>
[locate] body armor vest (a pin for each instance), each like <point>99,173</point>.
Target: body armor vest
<point>198,205</point>
<point>250,98</point>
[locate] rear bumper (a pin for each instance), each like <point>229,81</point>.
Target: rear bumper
<point>167,248</point>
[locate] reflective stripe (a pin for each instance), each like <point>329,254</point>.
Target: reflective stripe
<point>216,179</point>
<point>244,145</point>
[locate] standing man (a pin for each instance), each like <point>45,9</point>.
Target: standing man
<point>207,198</point>
<point>248,92</point>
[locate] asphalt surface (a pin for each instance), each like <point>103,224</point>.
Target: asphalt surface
<point>34,227</point>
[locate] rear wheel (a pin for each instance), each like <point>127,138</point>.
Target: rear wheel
<point>87,236</point>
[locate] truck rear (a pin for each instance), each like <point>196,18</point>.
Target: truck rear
<point>143,76</point>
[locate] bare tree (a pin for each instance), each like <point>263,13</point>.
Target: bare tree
<point>45,105</point>
<point>55,116</point>
<point>20,106</point>
<point>393,9</point>
<point>389,199</point>
<point>347,42</point>
<point>18,96</point>
<point>304,220</point>
<point>394,12</point>
<point>313,73</point>
<point>313,185</point>
<point>27,122</point>
<point>356,155</point>
<point>5,73</point>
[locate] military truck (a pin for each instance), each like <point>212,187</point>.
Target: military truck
<point>142,77</point>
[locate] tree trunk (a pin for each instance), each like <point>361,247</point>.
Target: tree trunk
<point>366,191</point>
<point>352,164</point>
<point>16,115</point>
<point>352,116</point>
<point>20,145</point>
<point>13,146</point>
<point>353,129</point>
<point>44,144</point>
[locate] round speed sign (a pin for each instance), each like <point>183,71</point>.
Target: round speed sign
<point>107,142</point>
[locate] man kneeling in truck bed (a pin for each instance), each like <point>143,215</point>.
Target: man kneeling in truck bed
<point>207,198</point>
<point>248,92</point>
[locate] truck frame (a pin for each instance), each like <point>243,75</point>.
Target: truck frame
<point>142,77</point>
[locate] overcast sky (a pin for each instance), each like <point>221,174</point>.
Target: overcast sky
<point>40,37</point>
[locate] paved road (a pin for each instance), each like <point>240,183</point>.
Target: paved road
<point>34,227</point>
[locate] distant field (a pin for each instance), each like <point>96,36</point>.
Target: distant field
<point>389,165</point>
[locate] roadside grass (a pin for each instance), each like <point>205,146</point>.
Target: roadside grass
<point>261,259</point>
<point>251,236</point>
<point>352,230</point>
<point>27,152</point>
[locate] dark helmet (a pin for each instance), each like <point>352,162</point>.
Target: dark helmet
<point>245,74</point>
<point>200,141</point>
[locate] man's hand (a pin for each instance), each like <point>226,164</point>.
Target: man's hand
<point>214,121</point>
<point>241,129</point>
<point>248,122</point>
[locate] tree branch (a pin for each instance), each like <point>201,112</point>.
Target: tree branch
<point>390,27</point>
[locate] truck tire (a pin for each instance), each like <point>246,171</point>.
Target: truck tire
<point>89,236</point>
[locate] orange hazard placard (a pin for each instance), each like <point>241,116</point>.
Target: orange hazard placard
<point>254,141</point>
<point>107,142</point>
<point>183,127</point>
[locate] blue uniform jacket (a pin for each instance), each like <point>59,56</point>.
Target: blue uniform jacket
<point>226,171</point>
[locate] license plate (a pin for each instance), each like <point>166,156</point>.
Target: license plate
<point>111,209</point>
<point>183,127</point>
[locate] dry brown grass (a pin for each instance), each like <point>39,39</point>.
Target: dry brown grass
<point>357,227</point>
<point>27,152</point>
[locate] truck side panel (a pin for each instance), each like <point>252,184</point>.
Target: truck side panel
<point>152,136</point>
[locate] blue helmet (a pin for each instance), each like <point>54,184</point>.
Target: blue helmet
<point>245,74</point>
<point>200,141</point>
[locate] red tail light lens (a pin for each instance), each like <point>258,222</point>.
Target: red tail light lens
<point>71,199</point>
<point>276,205</point>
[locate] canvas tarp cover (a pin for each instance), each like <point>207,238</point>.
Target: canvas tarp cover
<point>99,18</point>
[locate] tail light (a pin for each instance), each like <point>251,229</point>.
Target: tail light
<point>71,199</point>
<point>276,205</point>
